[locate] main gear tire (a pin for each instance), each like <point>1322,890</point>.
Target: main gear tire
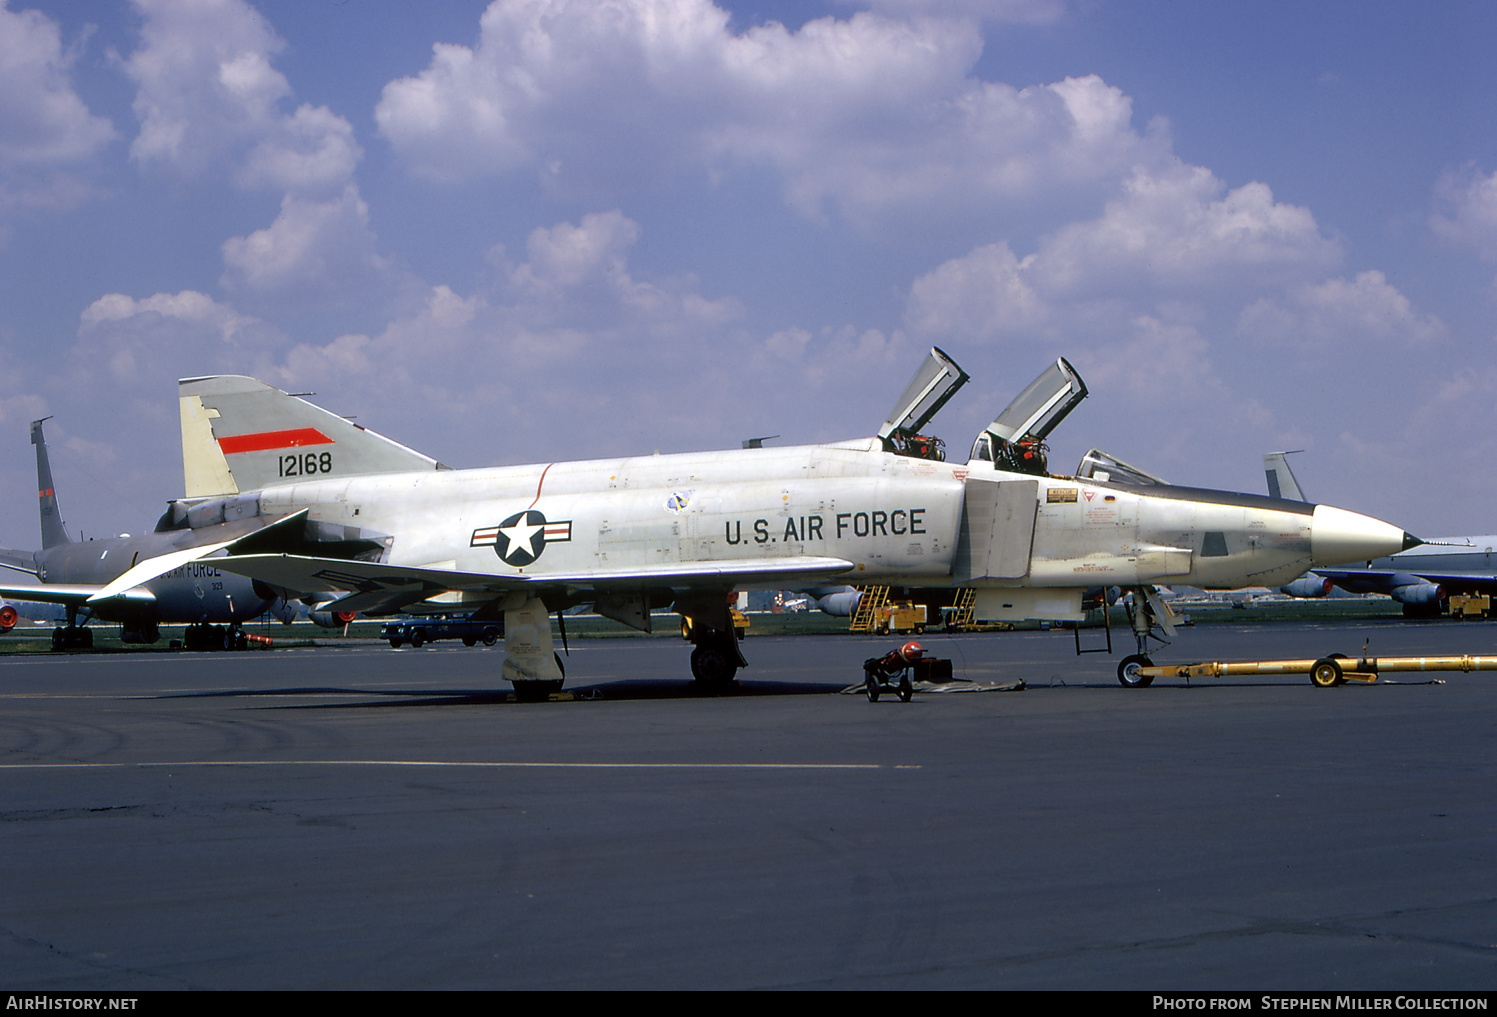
<point>711,665</point>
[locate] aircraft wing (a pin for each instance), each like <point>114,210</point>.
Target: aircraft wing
<point>59,593</point>
<point>374,587</point>
<point>1387,580</point>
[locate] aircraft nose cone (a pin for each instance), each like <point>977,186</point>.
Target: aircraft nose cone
<point>1338,536</point>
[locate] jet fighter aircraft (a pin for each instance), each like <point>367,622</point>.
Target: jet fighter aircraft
<point>73,573</point>
<point>393,528</point>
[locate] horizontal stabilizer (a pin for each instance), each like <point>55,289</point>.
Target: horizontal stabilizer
<point>20,561</point>
<point>63,593</point>
<point>160,565</point>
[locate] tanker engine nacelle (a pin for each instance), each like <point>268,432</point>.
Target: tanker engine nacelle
<point>332,619</point>
<point>1308,587</point>
<point>839,602</point>
<point>1421,593</point>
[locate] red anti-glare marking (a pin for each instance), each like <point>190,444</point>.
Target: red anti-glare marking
<point>267,440</point>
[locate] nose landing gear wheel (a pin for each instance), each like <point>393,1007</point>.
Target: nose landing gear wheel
<point>1128,671</point>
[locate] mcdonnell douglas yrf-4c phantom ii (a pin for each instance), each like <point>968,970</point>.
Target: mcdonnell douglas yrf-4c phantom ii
<point>393,528</point>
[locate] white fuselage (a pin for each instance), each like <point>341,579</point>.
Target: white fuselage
<point>897,520</point>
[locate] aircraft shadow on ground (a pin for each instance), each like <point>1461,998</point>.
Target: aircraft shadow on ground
<point>621,691</point>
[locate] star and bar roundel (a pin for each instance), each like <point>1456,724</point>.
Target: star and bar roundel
<point>521,538</point>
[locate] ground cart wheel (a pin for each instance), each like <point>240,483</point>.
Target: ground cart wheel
<point>1326,673</point>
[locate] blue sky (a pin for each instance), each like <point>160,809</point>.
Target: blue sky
<point>519,232</point>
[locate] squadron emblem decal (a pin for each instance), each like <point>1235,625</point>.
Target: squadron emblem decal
<point>521,538</point>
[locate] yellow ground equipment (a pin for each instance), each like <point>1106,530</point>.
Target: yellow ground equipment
<point>1138,670</point>
<point>740,624</point>
<point>959,618</point>
<point>870,608</point>
<point>901,616</point>
<point>1470,606</point>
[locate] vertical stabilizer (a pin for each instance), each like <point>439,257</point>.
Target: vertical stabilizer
<point>53,532</point>
<point>1281,482</point>
<point>242,435</point>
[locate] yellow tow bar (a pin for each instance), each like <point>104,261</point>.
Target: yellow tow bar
<point>1337,669</point>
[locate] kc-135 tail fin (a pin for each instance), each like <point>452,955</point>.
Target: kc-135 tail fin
<point>241,435</point>
<point>1281,482</point>
<point>53,531</point>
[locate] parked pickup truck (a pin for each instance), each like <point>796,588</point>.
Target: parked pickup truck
<point>420,631</point>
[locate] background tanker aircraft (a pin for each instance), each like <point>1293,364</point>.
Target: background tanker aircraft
<point>1420,578</point>
<point>73,573</point>
<point>346,509</point>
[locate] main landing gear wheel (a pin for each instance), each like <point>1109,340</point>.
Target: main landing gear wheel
<point>536,691</point>
<point>1327,672</point>
<point>1128,671</point>
<point>74,637</point>
<point>541,689</point>
<point>712,666</point>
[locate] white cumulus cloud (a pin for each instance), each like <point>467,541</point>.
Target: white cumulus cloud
<point>317,252</point>
<point>1340,313</point>
<point>42,119</point>
<point>207,94</point>
<point>1468,213</point>
<point>164,336</point>
<point>862,114</point>
<point>1182,231</point>
<point>47,133</point>
<point>981,295</point>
